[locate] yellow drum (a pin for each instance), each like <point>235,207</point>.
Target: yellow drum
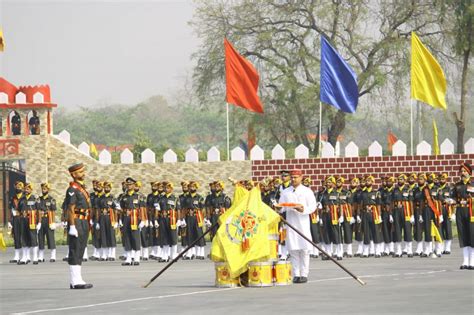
<point>273,241</point>
<point>282,272</point>
<point>260,274</point>
<point>223,279</point>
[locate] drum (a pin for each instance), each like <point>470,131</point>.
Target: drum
<point>223,279</point>
<point>282,273</point>
<point>273,241</point>
<point>260,274</point>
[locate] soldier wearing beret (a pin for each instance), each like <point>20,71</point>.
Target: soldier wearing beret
<point>133,222</point>
<point>108,222</point>
<point>16,220</point>
<point>78,205</point>
<point>47,212</point>
<point>31,224</point>
<point>463,194</point>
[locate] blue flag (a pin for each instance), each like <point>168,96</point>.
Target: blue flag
<point>338,80</point>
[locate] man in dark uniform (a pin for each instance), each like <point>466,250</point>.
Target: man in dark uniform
<point>445,197</point>
<point>424,211</point>
<point>16,124</point>
<point>463,194</point>
<point>403,217</point>
<point>355,198</point>
<point>418,225</point>
<point>331,218</point>
<point>345,208</point>
<point>94,225</point>
<point>108,223</point>
<point>371,218</point>
<point>386,192</point>
<point>77,203</point>
<point>119,211</point>
<point>47,212</point>
<point>208,206</point>
<point>145,238</point>
<point>31,224</point>
<point>133,222</point>
<point>181,217</point>
<point>152,205</point>
<point>218,205</point>
<point>314,222</point>
<point>194,204</point>
<point>436,213</point>
<point>16,221</point>
<point>34,124</point>
<point>167,220</point>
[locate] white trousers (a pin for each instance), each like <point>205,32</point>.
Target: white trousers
<point>300,263</point>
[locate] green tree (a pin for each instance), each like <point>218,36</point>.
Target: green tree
<point>282,38</point>
<point>463,45</point>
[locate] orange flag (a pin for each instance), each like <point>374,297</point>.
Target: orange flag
<point>391,140</point>
<point>241,80</point>
<point>251,137</point>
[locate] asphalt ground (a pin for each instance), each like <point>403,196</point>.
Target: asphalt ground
<point>394,286</point>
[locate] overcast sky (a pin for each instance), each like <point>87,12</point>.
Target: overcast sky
<point>97,51</point>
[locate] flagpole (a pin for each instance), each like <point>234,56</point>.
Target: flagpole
<point>228,146</point>
<point>320,127</point>
<point>411,126</point>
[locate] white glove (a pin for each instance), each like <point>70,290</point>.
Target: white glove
<point>452,217</point>
<point>156,224</point>
<point>441,219</point>
<point>52,226</point>
<point>341,219</point>
<point>390,219</point>
<point>10,226</point>
<point>91,222</point>
<point>141,225</point>
<point>358,219</point>
<point>320,221</point>
<point>64,224</point>
<point>120,223</point>
<point>38,227</point>
<point>412,219</point>
<point>97,226</point>
<point>73,231</point>
<point>352,220</point>
<point>420,219</point>
<point>207,222</point>
<point>183,221</point>
<point>319,206</point>
<point>115,225</point>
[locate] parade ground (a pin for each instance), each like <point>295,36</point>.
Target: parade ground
<point>394,286</point>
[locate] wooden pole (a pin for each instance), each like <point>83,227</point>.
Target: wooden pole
<point>322,251</point>
<point>180,255</point>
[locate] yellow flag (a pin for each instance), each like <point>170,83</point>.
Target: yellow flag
<point>428,83</point>
<point>93,150</point>
<point>435,138</point>
<point>3,246</point>
<point>246,224</point>
<point>2,41</point>
<point>435,233</point>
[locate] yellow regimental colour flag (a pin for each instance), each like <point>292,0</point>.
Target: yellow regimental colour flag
<point>242,236</point>
<point>428,83</point>
<point>3,246</point>
<point>2,40</point>
<point>435,138</point>
<point>93,151</point>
